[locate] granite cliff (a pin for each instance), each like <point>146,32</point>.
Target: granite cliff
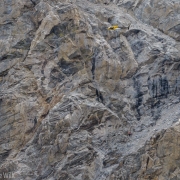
<point>80,102</point>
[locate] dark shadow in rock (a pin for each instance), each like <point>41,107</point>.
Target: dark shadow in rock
<point>99,96</point>
<point>138,96</point>
<point>4,155</point>
<point>23,44</point>
<point>70,67</point>
<point>56,77</point>
<point>11,56</point>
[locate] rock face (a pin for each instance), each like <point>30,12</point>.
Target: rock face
<point>80,102</point>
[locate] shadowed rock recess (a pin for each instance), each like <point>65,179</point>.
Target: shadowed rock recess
<point>80,102</point>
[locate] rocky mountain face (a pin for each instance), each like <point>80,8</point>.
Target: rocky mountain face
<point>81,102</point>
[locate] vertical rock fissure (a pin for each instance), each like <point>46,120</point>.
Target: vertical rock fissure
<point>99,96</point>
<point>93,67</point>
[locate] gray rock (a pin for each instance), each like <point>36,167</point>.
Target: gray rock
<point>78,101</point>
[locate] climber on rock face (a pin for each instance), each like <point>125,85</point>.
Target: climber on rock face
<point>114,27</point>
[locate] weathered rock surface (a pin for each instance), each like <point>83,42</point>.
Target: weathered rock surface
<point>79,102</point>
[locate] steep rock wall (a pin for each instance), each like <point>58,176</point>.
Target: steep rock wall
<point>80,102</point>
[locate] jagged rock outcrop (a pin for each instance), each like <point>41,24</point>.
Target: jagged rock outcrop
<point>78,101</point>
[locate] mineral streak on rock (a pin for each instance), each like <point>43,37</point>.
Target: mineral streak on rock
<point>81,102</point>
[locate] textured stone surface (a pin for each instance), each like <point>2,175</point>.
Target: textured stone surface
<point>80,102</point>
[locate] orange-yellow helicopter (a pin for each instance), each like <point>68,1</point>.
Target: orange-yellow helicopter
<point>114,27</point>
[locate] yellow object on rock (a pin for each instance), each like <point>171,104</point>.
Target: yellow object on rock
<point>113,27</point>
